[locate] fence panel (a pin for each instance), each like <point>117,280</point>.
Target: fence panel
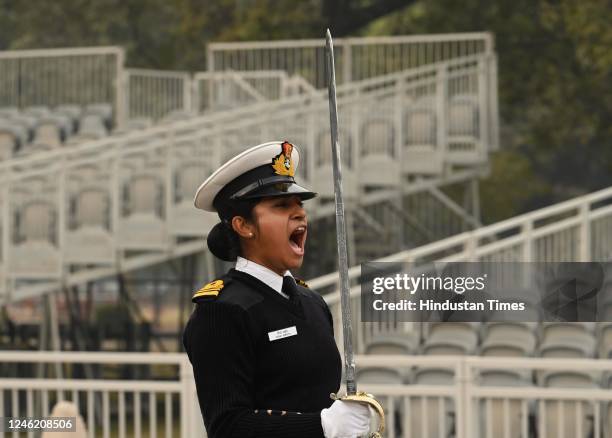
<point>154,94</point>
<point>356,58</point>
<point>162,405</point>
<point>52,77</point>
<point>215,91</point>
<point>425,396</point>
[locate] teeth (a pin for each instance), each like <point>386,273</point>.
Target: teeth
<point>300,229</point>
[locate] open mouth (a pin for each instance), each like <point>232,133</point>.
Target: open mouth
<point>297,240</point>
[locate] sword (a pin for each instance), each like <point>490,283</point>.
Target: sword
<point>345,298</point>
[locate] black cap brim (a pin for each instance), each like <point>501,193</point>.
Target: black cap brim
<point>280,189</point>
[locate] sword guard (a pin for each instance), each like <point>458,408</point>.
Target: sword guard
<point>370,401</point>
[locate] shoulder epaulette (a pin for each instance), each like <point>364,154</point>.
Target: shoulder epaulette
<point>301,282</point>
<point>211,289</point>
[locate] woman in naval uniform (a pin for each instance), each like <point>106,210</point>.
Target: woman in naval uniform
<point>261,344</point>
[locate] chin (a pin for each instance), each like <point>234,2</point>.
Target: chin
<point>295,263</point>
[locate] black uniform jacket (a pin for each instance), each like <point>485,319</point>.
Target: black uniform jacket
<point>263,366</point>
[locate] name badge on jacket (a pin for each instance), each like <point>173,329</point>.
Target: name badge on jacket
<point>282,333</point>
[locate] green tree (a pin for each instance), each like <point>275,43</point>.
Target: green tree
<point>143,27</point>
<point>554,74</point>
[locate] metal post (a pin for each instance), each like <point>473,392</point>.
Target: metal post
<point>185,375</point>
<point>493,109</point>
<point>463,416</point>
<point>53,321</point>
<point>120,89</point>
<point>585,232</point>
<point>441,107</point>
<point>475,197</point>
<point>526,231</point>
<point>347,61</point>
<point>187,94</point>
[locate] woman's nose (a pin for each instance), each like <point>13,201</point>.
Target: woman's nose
<point>298,211</point>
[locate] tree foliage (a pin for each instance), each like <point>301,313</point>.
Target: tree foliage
<point>555,67</point>
<point>555,62</point>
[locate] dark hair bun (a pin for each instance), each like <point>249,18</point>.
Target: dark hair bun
<point>220,242</point>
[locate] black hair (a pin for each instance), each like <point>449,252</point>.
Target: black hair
<point>222,240</point>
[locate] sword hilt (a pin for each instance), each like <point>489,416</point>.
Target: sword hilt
<point>370,401</point>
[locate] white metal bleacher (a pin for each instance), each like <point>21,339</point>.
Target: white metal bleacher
<point>501,393</point>
<point>576,230</point>
<point>96,191</point>
<point>102,201</point>
<point>531,378</point>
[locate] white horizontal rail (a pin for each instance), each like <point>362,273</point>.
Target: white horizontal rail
<point>52,53</point>
<point>357,58</point>
<point>92,357</point>
<point>105,404</point>
<point>474,237</point>
<point>459,402</point>
<point>451,37</point>
<point>91,385</point>
<point>173,74</point>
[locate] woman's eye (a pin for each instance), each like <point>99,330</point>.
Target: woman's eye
<point>287,204</point>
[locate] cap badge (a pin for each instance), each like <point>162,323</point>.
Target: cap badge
<point>282,163</point>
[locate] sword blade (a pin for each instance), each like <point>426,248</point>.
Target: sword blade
<point>345,299</point>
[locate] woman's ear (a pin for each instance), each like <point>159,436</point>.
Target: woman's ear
<point>241,226</point>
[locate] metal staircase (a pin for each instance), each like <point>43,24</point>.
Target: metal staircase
<point>77,215</point>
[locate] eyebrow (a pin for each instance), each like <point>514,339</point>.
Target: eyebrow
<point>285,199</point>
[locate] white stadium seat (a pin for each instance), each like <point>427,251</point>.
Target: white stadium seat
<point>8,112</point>
<point>322,178</point>
<point>463,116</point>
<point>27,123</point>
<point>49,132</point>
<point>37,111</point>
<point>420,152</point>
<point>34,252</point>
<point>431,417</point>
<point>496,413</point>
<point>11,138</point>
<point>379,162</point>
<point>142,224</point>
<point>462,335</point>
<point>103,110</point>
<point>573,417</point>
<point>511,334</point>
<point>442,348</point>
<point>91,126</point>
<point>391,345</point>
<point>90,240</point>
<point>391,405</point>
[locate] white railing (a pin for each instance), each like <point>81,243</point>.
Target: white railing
<point>238,73</point>
<point>166,406</point>
<point>462,399</point>
<point>215,91</point>
<point>92,203</point>
<point>51,77</point>
<point>459,397</point>
<point>153,93</point>
<point>576,230</point>
<point>356,58</point>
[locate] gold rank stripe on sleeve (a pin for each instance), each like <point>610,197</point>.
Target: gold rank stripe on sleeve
<point>211,289</point>
<point>301,282</point>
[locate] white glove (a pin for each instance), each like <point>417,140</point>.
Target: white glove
<point>345,419</point>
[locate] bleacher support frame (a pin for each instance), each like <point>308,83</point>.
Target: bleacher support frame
<point>470,401</point>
